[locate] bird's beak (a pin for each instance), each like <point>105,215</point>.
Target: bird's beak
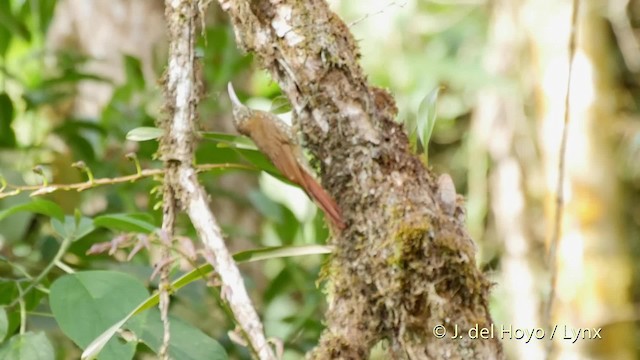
<point>232,95</point>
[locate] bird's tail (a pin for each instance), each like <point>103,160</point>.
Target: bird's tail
<point>324,200</point>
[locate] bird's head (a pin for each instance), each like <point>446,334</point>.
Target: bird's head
<point>241,113</point>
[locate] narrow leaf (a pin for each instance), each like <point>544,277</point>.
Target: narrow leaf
<point>144,134</point>
<point>426,118</point>
<point>235,149</point>
<point>39,206</point>
<point>280,105</point>
<point>241,142</point>
<point>280,252</point>
<point>140,223</point>
<point>96,346</point>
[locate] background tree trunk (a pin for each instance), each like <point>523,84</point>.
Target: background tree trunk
<point>501,133</point>
<point>594,268</point>
<point>105,31</point>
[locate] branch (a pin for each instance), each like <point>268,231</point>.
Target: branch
<point>176,149</point>
<point>38,190</point>
<point>559,203</point>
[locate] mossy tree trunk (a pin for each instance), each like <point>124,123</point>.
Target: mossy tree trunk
<point>405,264</point>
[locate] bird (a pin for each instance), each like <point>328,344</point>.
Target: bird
<point>276,140</point>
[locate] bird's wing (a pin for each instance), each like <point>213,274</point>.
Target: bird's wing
<point>286,156</point>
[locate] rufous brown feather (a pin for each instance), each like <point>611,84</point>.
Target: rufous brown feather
<point>274,138</point>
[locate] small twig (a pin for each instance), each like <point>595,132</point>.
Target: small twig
<point>3,183</point>
<point>82,186</point>
<point>557,224</point>
<point>64,267</point>
<point>133,157</point>
<point>165,262</point>
<point>176,147</point>
<point>366,16</point>
<point>40,171</point>
<point>80,165</point>
<point>23,310</point>
<point>61,251</point>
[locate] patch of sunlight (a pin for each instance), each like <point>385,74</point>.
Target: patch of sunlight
<point>582,98</point>
<point>571,269</point>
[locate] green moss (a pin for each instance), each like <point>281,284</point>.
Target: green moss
<point>407,241</point>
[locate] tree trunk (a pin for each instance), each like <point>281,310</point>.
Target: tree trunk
<point>502,131</point>
<point>405,264</point>
<point>594,270</point>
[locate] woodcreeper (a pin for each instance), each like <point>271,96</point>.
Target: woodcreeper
<point>276,140</point>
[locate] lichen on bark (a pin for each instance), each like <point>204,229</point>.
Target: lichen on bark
<point>404,264</point>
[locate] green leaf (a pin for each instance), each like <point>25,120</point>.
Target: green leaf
<point>198,273</point>
<point>76,133</point>
<point>14,24</point>
<point>71,76</point>
<point>234,149</point>
<point>4,324</point>
<point>77,126</point>
<point>229,140</point>
<point>8,291</point>
<point>224,60</point>
<point>427,117</point>
<point>243,257</point>
<point>42,11</point>
<point>280,252</point>
<point>411,130</point>
<point>77,217</point>
<point>267,207</point>
<point>38,206</point>
<point>28,346</point>
<point>133,71</point>
<point>144,134</point>
<point>289,226</point>
<point>7,136</point>
<point>280,105</point>
<point>5,35</point>
<point>37,97</point>
<point>97,345</point>
<point>85,304</point>
<point>72,228</point>
<point>186,342</point>
<point>82,148</point>
<point>278,285</point>
<point>140,223</point>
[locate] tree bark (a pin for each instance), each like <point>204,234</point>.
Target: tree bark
<point>405,264</point>
<point>182,90</point>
